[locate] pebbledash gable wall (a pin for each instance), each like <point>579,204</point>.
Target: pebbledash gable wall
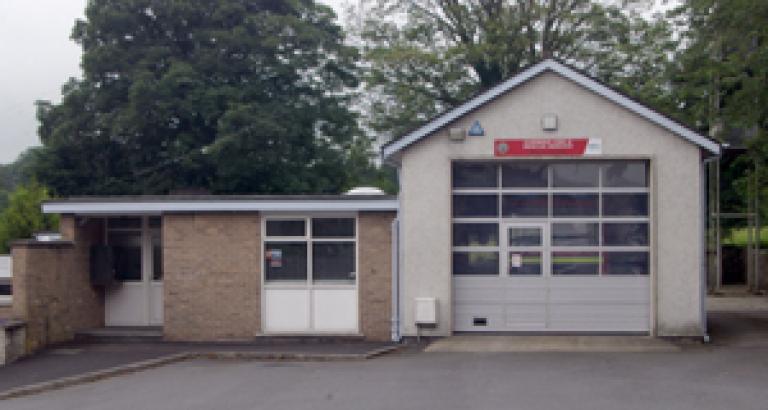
<point>51,285</point>
<point>212,274</point>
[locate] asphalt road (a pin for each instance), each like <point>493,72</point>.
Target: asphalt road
<point>700,378</point>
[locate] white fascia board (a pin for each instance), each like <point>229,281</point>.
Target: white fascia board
<point>568,73</point>
<point>157,207</point>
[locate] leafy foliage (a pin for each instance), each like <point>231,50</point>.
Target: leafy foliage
<point>425,56</point>
<point>230,96</point>
<point>23,217</point>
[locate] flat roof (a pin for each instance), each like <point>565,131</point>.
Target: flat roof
<point>156,204</point>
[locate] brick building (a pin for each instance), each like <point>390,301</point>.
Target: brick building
<point>550,203</point>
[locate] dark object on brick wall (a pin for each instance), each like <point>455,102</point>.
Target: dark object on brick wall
<point>102,265</point>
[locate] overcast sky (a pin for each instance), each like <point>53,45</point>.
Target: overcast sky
<point>37,58</point>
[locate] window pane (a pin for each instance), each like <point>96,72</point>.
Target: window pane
<point>564,205</point>
<point>524,175</point>
<point>534,205</point>
<point>473,175</point>
<point>285,261</point>
<point>285,228</point>
<point>126,249</point>
<point>625,174</point>
<point>475,234</point>
<point>5,287</point>
<point>625,263</point>
<point>625,234</point>
<point>124,222</point>
<point>333,227</point>
<point>157,255</point>
<point>475,263</point>
<point>475,206</point>
<point>333,261</point>
<point>525,263</point>
<point>575,234</point>
<point>575,175</point>
<point>524,237</point>
<point>155,222</point>
<point>575,263</point>
<point>625,204</point>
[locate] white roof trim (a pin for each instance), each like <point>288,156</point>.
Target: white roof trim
<point>568,73</point>
<point>156,207</point>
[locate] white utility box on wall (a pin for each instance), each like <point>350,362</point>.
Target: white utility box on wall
<point>426,311</point>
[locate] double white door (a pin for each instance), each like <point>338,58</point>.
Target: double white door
<point>136,297</point>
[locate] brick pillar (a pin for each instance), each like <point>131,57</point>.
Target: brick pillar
<point>212,276</point>
<point>52,292</point>
<point>375,275</point>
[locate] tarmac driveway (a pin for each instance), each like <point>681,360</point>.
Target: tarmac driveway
<point>719,378</point>
<point>727,374</point>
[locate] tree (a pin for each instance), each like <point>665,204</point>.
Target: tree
<point>23,216</point>
<point>721,81</point>
<point>424,56</point>
<point>231,96</point>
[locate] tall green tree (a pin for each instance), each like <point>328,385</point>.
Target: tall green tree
<point>232,96</point>
<point>720,81</point>
<point>23,216</point>
<point>424,56</point>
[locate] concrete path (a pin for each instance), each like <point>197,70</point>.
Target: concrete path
<point>573,344</point>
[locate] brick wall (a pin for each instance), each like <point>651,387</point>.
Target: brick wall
<point>51,285</point>
<point>6,311</point>
<point>212,276</point>
<point>375,276</point>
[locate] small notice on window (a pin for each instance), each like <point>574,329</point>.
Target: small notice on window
<point>275,258</point>
<point>516,260</point>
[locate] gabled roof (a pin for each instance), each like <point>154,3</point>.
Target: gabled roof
<point>568,72</point>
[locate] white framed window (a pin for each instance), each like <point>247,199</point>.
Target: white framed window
<point>312,249</point>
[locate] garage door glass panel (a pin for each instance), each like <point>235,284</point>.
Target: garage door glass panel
<point>285,261</point>
<point>628,205</point>
<point>524,175</point>
<point>575,175</point>
<point>525,206</point>
<point>333,227</point>
<point>525,263</point>
<point>625,234</point>
<point>472,175</point>
<point>625,263</point>
<point>575,263</point>
<point>625,174</point>
<point>475,234</point>
<point>524,236</point>
<point>333,261</point>
<point>475,263</point>
<point>285,227</point>
<point>575,234</point>
<point>475,206</point>
<point>575,205</point>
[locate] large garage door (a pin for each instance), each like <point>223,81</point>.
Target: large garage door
<point>551,246</point>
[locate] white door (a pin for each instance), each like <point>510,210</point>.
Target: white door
<point>515,299</point>
<point>136,297</point>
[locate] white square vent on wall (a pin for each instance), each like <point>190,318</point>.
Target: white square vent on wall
<point>549,122</point>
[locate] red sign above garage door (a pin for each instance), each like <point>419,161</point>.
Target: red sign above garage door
<point>547,147</point>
